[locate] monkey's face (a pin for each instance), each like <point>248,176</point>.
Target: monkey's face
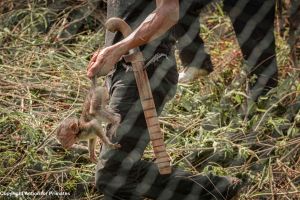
<point>67,132</point>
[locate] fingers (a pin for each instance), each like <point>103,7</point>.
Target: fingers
<point>103,61</point>
<point>91,66</point>
<point>94,57</point>
<point>116,146</point>
<point>92,70</point>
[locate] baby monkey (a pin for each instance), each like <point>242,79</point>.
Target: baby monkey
<point>89,126</point>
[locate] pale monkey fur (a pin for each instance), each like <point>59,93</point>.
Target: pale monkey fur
<point>89,126</point>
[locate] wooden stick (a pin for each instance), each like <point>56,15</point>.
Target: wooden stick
<point>143,84</point>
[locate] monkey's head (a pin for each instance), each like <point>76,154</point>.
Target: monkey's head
<point>67,132</point>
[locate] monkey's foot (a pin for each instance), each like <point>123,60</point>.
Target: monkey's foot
<point>93,158</point>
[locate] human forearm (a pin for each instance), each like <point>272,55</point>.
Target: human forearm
<point>156,24</point>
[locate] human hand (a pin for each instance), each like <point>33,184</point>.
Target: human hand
<point>103,61</point>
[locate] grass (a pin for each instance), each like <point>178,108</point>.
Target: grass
<point>43,81</point>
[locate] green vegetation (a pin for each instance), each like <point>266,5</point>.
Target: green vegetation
<point>43,80</point>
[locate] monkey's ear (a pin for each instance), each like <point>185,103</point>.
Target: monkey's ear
<point>74,126</point>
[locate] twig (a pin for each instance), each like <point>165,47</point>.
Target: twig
<point>269,109</point>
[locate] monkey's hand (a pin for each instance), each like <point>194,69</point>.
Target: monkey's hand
<point>116,146</point>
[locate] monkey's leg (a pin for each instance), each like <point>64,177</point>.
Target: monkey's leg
<point>113,118</point>
<point>93,102</point>
<point>98,98</point>
<point>99,132</point>
<point>92,144</point>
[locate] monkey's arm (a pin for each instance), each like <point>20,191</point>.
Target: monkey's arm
<point>111,117</point>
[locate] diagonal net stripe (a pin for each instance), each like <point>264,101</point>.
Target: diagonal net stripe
<point>221,130</point>
<point>159,74</point>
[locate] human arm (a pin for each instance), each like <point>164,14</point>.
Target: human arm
<point>157,23</point>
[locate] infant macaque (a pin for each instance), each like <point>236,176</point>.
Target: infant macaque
<point>89,126</point>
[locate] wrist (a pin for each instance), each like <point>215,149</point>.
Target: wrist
<point>121,48</point>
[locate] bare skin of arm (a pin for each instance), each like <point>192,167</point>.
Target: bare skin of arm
<point>156,24</point>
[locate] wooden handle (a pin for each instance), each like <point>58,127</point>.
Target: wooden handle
<point>155,133</point>
<point>141,77</point>
<point>115,24</point>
